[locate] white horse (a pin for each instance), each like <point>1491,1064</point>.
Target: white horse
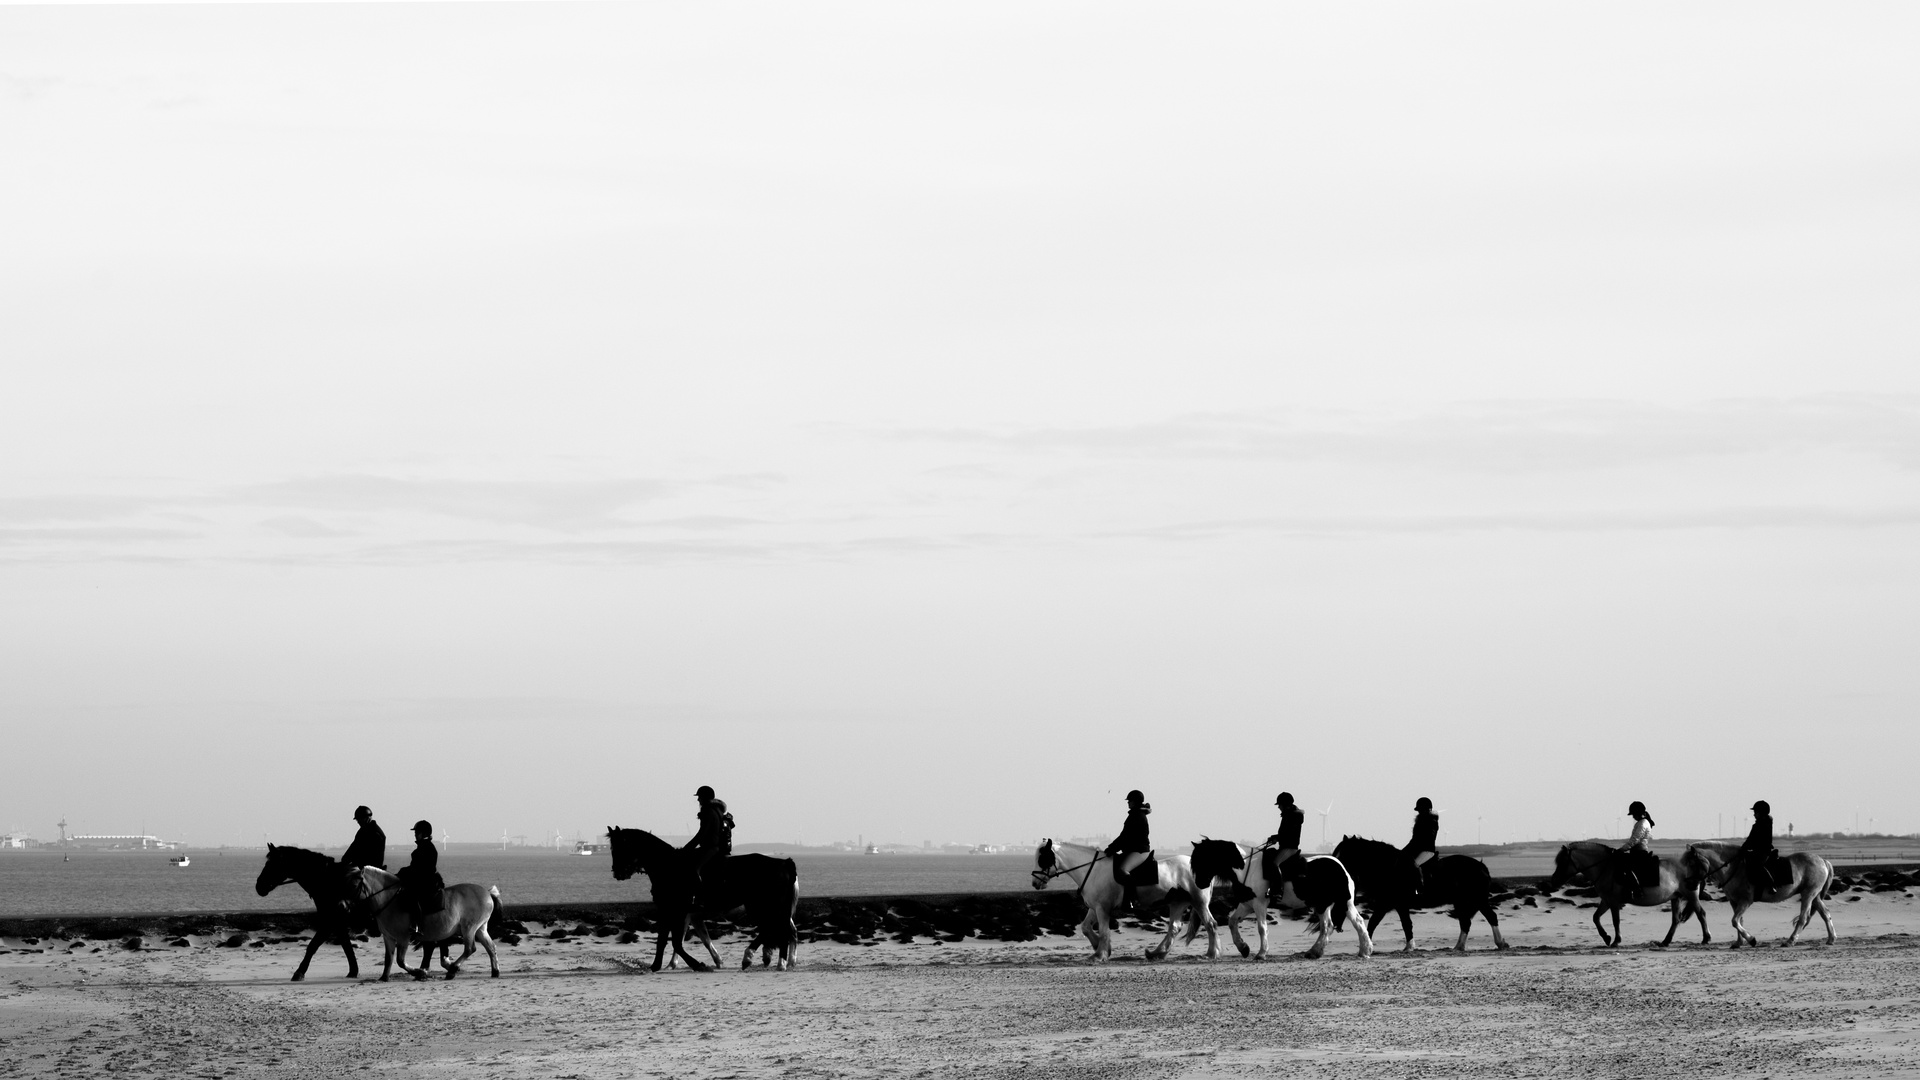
<point>1091,871</point>
<point>1811,884</point>
<point>465,911</point>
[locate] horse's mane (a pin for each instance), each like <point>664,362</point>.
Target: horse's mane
<point>301,856</point>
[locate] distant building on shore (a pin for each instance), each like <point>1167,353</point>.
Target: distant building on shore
<point>143,843</point>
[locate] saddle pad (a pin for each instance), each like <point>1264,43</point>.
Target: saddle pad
<point>1147,873</point>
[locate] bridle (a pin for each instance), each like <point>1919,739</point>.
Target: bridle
<point>1041,877</point>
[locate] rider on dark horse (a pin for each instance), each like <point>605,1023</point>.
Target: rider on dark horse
<point>713,840</point>
<point>1426,836</point>
<point>1641,864</point>
<point>369,847</point>
<point>420,882</point>
<point>1131,847</point>
<point>1285,844</point>
<point>1757,854</point>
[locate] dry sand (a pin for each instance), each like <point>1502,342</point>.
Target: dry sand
<point>1556,1005</point>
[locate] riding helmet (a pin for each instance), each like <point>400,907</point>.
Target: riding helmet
<point>1761,807</point>
<point>705,792</point>
<point>361,811</point>
<point>1134,797</point>
<point>1637,808</point>
<point>423,826</point>
<point>1423,804</point>
<point>1285,799</point>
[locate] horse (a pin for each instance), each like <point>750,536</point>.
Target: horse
<point>1325,887</point>
<point>466,912</point>
<point>325,883</point>
<point>1594,862</point>
<point>1245,875</point>
<point>1812,884</point>
<point>764,889</point>
<point>1092,874</point>
<point>1389,881</point>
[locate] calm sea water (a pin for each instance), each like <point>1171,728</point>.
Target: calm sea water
<point>125,882</point>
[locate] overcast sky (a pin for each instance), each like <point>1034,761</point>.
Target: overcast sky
<point>930,422</point>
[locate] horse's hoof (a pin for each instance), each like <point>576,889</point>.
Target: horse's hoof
<point>495,973</point>
<point>299,976</point>
<point>383,978</point>
<point>1245,950</point>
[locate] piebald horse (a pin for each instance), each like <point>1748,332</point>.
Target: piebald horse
<point>1241,870</point>
<point>1593,862</point>
<point>466,912</point>
<point>1812,883</point>
<point>1091,871</point>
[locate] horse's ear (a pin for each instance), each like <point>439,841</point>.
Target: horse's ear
<point>269,845</point>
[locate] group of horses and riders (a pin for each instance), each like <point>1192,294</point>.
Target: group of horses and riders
<point>1126,875</point>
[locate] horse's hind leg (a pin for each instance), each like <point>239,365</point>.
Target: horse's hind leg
<point>1820,906</point>
<point>1466,924</point>
<point>1406,927</point>
<point>493,960</point>
<point>1493,924</point>
<point>1233,931</point>
<point>1802,920</point>
<point>1324,924</point>
<point>1360,930</point>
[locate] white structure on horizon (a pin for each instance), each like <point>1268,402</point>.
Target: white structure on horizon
<point>142,842</point>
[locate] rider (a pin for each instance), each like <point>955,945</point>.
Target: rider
<point>1131,847</point>
<point>1285,844</point>
<point>420,882</point>
<point>1635,854</point>
<point>1426,835</point>
<point>1758,849</point>
<point>369,847</point>
<point>714,839</point>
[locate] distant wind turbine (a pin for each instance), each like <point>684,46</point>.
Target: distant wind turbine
<point>1323,824</point>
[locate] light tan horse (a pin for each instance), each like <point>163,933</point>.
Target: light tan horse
<point>465,914</point>
<point>1593,862</point>
<point>1812,885</point>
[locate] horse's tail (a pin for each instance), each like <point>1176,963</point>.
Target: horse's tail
<point>1826,887</point>
<point>496,921</point>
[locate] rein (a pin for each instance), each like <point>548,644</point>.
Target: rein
<point>1059,871</point>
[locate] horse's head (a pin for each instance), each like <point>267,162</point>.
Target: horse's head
<point>274,874</point>
<point>626,853</point>
<point>1214,859</point>
<point>1043,860</point>
<point>1703,863</point>
<point>1563,869</point>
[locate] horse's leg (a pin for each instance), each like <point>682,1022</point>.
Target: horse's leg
<point>659,945</point>
<point>1616,926</point>
<point>320,936</point>
<point>1176,914</point>
<point>1740,935</point>
<point>1820,906</point>
<point>1805,917</point>
<point>1233,931</point>
<point>1260,926</point>
<point>1406,927</point>
<point>1325,926</point>
<point>680,948</point>
<point>1598,912</point>
<point>346,943</point>
<point>1493,924</point>
<point>1094,928</point>
<point>1466,924</point>
<point>700,927</point>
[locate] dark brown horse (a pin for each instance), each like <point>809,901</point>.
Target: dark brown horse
<point>1389,881</point>
<point>325,882</point>
<point>764,892</point>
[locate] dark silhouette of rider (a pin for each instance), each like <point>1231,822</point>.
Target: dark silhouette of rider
<point>1132,846</point>
<point>1757,852</point>
<point>1285,844</point>
<point>369,847</point>
<point>1426,837</point>
<point>1642,865</point>
<point>420,882</point>
<point>713,839</point>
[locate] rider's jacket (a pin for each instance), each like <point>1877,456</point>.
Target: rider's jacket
<point>1759,843</point>
<point>424,865</point>
<point>369,847</point>
<point>1291,818</point>
<point>1133,835</point>
<point>716,828</point>
<point>1426,833</point>
<point>1642,832</point>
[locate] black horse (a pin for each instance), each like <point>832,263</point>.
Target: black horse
<point>325,881</point>
<point>757,890</point>
<point>1389,881</point>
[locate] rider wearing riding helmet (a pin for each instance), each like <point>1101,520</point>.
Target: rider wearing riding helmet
<point>1131,847</point>
<point>1756,853</point>
<point>1635,853</point>
<point>420,879</point>
<point>1286,842</point>
<point>714,839</point>
<point>1426,835</point>
<point>369,847</point>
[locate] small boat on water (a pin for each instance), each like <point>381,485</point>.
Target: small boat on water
<point>585,847</point>
<point>181,861</point>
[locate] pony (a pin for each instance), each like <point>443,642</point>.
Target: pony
<point>325,883</point>
<point>1389,881</point>
<point>1244,874</point>
<point>1713,861</point>
<point>1593,862</point>
<point>764,890</point>
<point>1092,874</point>
<point>466,913</point>
<point>1325,887</point>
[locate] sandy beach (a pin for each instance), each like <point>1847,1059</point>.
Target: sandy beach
<point>587,1008</point>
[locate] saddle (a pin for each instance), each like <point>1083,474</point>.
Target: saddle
<point>423,896</point>
<point>1270,867</point>
<point>1146,875</point>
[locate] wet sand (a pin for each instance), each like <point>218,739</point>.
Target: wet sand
<point>587,1008</point>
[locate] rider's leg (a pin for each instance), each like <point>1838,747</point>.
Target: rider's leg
<point>1122,866</point>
